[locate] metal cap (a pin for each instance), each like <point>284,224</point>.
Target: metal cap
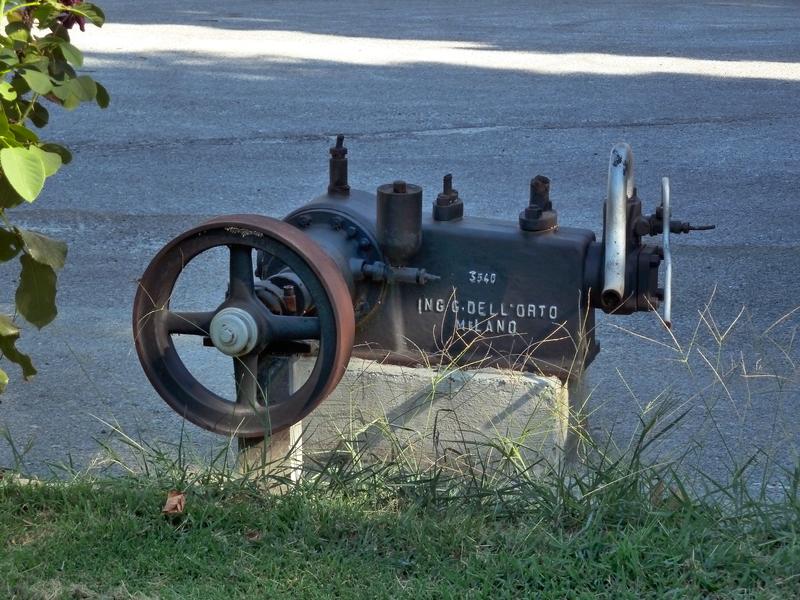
<point>539,215</point>
<point>233,331</point>
<point>448,205</point>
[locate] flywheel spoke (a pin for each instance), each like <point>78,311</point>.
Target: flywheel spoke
<point>189,323</point>
<point>284,328</point>
<point>241,271</point>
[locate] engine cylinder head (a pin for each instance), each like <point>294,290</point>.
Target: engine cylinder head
<point>399,221</point>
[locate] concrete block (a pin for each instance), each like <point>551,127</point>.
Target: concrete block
<point>280,456</point>
<point>432,414</point>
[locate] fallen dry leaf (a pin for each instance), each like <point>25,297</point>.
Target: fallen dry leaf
<point>176,502</point>
<point>253,535</point>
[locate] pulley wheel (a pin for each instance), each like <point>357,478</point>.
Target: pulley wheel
<point>243,326</point>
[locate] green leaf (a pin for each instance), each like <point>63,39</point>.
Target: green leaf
<point>9,334</point>
<point>45,15</point>
<point>19,84</point>
<point>43,249</point>
<point>37,62</point>
<point>61,71</point>
<point>11,353</point>
<point>103,98</point>
<point>39,115</point>
<point>10,109</point>
<point>3,381</point>
<point>91,12</point>
<point>8,197</point>
<point>72,54</point>
<point>7,91</point>
<point>83,87</point>
<point>9,247</point>
<point>24,170</point>
<point>17,31</point>
<point>23,134</point>
<point>66,155</point>
<point>7,327</point>
<point>50,160</point>
<point>36,294</point>
<point>61,90</point>
<point>76,90</point>
<point>37,81</point>
<point>9,56</point>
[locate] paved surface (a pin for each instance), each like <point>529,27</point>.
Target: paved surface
<point>229,107</point>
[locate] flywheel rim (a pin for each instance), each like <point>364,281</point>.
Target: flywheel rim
<point>169,375</point>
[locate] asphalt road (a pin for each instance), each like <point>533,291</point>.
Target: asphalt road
<point>230,107</point>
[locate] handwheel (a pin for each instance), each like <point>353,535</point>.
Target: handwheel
<point>244,326</point>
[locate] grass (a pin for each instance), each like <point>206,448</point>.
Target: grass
<point>627,522</point>
<point>613,528</point>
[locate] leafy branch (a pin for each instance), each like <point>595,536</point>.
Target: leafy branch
<point>37,63</point>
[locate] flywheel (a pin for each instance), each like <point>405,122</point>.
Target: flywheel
<point>253,325</point>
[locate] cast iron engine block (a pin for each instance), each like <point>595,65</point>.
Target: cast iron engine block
<point>372,275</point>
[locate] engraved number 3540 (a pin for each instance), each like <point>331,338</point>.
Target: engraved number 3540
<point>480,277</point>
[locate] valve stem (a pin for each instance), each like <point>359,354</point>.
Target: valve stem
<point>448,205</point>
<point>379,271</point>
<point>447,184</point>
<point>338,169</point>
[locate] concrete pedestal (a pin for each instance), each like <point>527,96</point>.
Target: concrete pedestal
<point>429,415</point>
<point>280,456</point>
<point>423,415</point>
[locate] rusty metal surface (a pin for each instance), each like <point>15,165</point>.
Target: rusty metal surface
<point>344,234</point>
<point>154,324</point>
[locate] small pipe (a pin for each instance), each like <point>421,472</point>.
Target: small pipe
<point>620,188</point>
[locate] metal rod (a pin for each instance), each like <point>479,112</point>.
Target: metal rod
<point>620,188</point>
<point>665,207</point>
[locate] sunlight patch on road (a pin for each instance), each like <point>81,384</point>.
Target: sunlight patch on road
<point>190,43</point>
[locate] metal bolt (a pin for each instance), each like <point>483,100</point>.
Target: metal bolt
<point>540,192</point>
<point>336,223</point>
<point>351,232</point>
<point>448,195</point>
<point>363,243</point>
<point>226,336</point>
<point>304,221</point>
<point>289,298</point>
<point>399,187</point>
<point>339,151</point>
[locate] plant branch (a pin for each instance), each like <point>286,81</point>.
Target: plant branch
<point>28,110</point>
